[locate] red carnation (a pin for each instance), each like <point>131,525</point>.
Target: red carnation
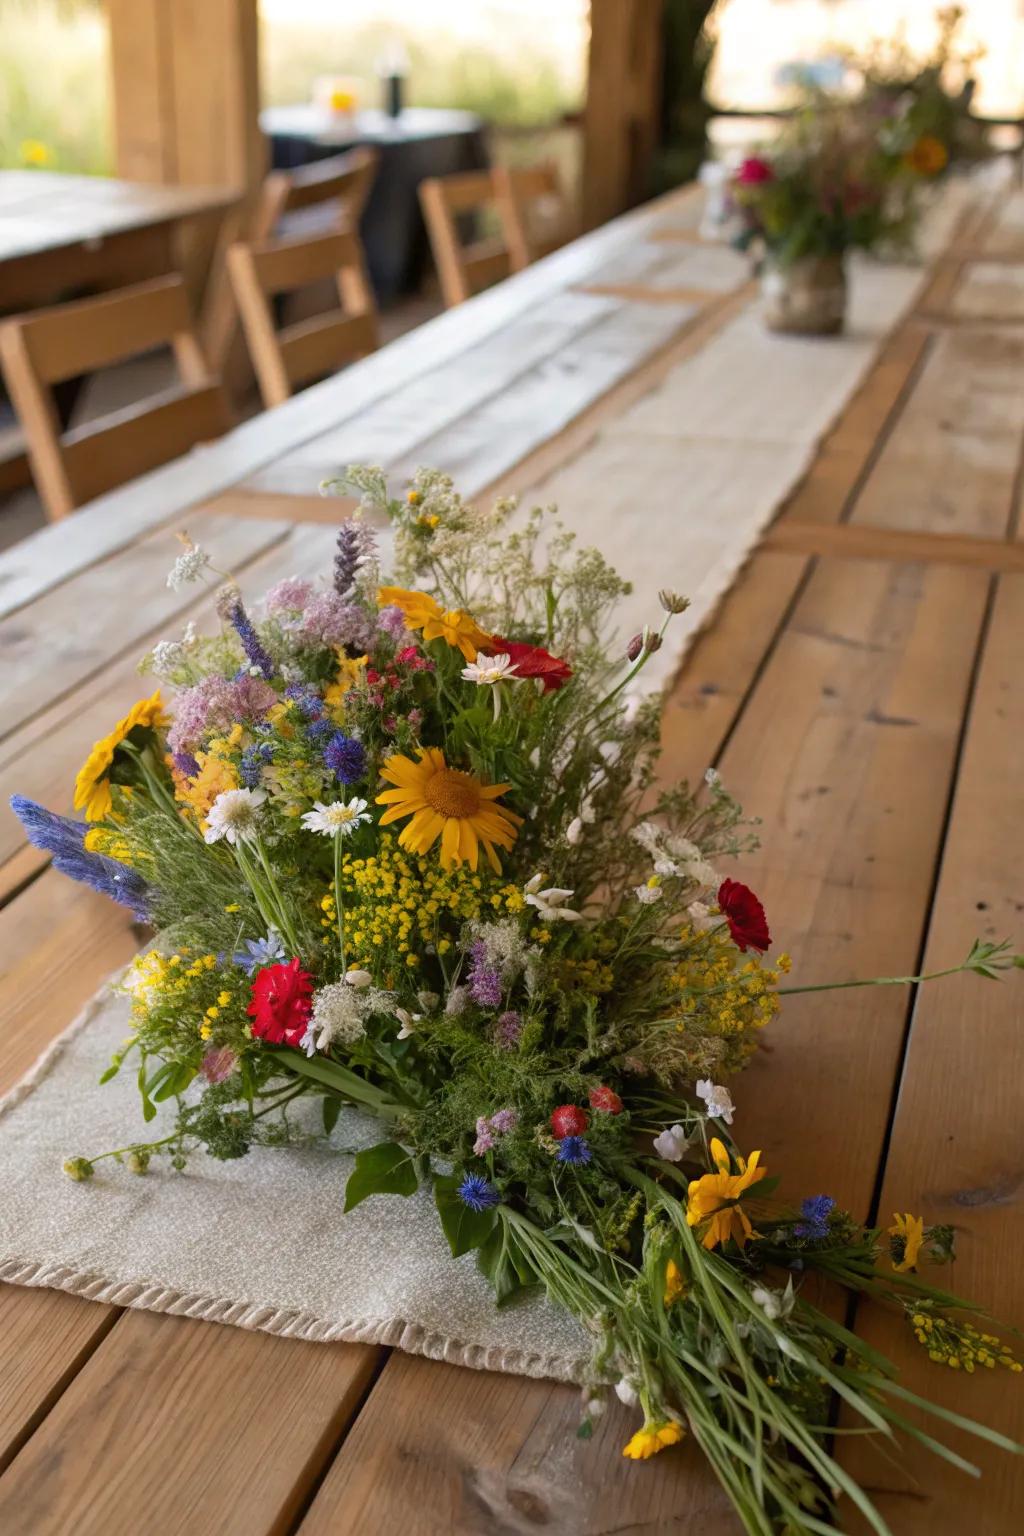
<point>754,170</point>
<point>533,661</point>
<point>606,1100</point>
<point>568,1120</point>
<point>745,916</point>
<point>282,1000</point>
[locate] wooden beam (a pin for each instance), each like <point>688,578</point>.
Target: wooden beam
<point>185,77</point>
<point>620,120</point>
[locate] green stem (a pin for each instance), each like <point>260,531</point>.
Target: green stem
<point>339,906</point>
<point>873,981</point>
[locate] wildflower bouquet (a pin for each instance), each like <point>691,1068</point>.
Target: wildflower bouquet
<point>404,849</point>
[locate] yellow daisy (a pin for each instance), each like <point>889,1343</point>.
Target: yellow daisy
<point>447,804</point>
<point>653,1438</point>
<point>349,672</point>
<point>911,1230</point>
<point>92,786</point>
<point>715,1197</point>
<point>422,612</point>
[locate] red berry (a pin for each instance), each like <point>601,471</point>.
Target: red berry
<point>606,1100</point>
<point>568,1120</point>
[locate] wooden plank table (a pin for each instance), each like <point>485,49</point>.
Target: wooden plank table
<point>859,688</point>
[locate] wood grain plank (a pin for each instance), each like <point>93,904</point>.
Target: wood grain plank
<point>865,541</point>
<point>955,1152</point>
<point>950,467</point>
<point>251,1417</point>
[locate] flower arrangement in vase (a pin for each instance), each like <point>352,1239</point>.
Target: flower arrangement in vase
<point>828,186</point>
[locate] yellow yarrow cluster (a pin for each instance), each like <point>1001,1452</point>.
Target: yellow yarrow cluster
<point>217,773</point>
<point>960,1346</point>
<point>397,902</point>
<point>732,1001</point>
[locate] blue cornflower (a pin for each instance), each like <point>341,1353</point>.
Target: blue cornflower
<point>260,952</point>
<point>254,759</point>
<point>346,758</point>
<point>815,1212</point>
<point>574,1151</point>
<point>318,730</point>
<point>307,698</point>
<point>476,1192</point>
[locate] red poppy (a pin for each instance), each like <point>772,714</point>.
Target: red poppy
<point>282,1000</point>
<point>568,1120</point>
<point>745,916</point>
<point>606,1100</point>
<point>533,661</point>
<point>754,170</point>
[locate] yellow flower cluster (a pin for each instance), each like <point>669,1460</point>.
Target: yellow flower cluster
<point>216,774</point>
<point>397,902</point>
<point>731,1001</point>
<point>960,1346</point>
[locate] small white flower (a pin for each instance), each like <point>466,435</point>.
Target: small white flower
<point>408,1022</point>
<point>357,978</point>
<point>188,567</point>
<point>712,777</point>
<point>234,815</point>
<point>626,1393</point>
<point>338,1015</point>
<point>700,915</point>
<point>487,670</point>
<point>336,818</point>
<point>593,1407</point>
<point>533,884</point>
<point>648,894</point>
<point>549,903</point>
<point>770,1302</point>
<point>672,1144</point>
<point>167,656</point>
<point>428,1001</point>
<point>574,831</point>
<point>717,1099</point>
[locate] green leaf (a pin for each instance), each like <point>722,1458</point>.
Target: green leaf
<point>331,1111</point>
<point>464,1229</point>
<point>112,1070</point>
<point>174,1079</point>
<point>494,1261</point>
<point>386,1169</point>
<point>148,1107</point>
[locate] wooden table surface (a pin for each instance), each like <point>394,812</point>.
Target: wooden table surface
<point>861,691</point>
<point>62,232</point>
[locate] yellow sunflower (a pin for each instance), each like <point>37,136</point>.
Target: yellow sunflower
<point>909,1229</point>
<point>421,612</point>
<point>447,804</point>
<point>92,786</point>
<point>714,1198</point>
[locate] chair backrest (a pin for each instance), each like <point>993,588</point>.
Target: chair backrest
<point>308,349</point>
<point>464,268</point>
<point>533,211</point>
<point>344,180</point>
<point>41,349</point>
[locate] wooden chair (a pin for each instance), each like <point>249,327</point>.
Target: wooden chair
<point>533,212</point>
<point>48,346</point>
<point>308,349</point>
<point>343,181</point>
<point>325,196</point>
<point>463,269</point>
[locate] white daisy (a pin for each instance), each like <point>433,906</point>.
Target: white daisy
<point>718,1100</point>
<point>491,669</point>
<point>234,815</point>
<point>336,818</point>
<point>648,893</point>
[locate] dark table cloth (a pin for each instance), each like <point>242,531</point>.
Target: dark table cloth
<point>421,142</point>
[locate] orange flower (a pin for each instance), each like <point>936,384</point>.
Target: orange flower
<point>928,156</point>
<point>458,629</point>
<point>715,1198</point>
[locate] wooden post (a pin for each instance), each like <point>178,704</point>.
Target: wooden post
<point>186,92</point>
<point>620,122</point>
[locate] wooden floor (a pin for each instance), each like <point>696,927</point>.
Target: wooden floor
<point>861,690</point>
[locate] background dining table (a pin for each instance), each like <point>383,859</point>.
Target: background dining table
<point>859,688</point>
<point>417,143</point>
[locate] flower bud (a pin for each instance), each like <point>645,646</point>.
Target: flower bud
<point>138,1161</point>
<point>79,1169</point>
<point>644,644</point>
<point>672,602</point>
